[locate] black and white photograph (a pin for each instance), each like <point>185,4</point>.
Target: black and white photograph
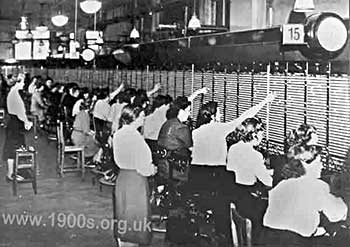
<point>174,123</point>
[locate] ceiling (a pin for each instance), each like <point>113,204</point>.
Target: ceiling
<point>42,10</point>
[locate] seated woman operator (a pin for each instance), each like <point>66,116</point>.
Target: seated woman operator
<point>82,134</point>
<point>250,172</point>
<point>295,204</point>
<point>306,134</point>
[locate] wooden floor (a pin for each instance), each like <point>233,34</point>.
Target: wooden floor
<point>59,202</point>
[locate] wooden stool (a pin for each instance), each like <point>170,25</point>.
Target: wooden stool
<point>25,160</point>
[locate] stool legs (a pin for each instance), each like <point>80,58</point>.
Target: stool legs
<point>14,176</point>
<point>34,184</point>
<point>82,164</point>
<point>29,166</point>
<point>35,127</point>
<point>61,163</point>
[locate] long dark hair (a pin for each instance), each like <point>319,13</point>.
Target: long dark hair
<point>293,169</point>
<point>141,98</point>
<point>300,135</point>
<point>159,101</point>
<point>249,128</point>
<point>206,112</point>
<point>129,114</point>
<point>180,103</point>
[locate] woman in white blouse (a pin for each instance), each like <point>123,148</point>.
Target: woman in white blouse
<point>250,171</point>
<point>209,155</point>
<point>293,213</point>
<point>209,143</point>
<point>133,156</point>
<point>18,122</point>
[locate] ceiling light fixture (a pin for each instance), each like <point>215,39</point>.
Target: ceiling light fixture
<point>59,20</point>
<point>29,35</point>
<point>90,6</point>
<point>41,28</point>
<point>60,48</point>
<point>134,34</point>
<point>24,23</point>
<point>303,6</point>
<point>194,23</point>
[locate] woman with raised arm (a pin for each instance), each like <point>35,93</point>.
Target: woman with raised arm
<point>155,120</point>
<point>175,136</point>
<point>209,156</point>
<point>133,156</point>
<point>209,143</point>
<point>250,173</point>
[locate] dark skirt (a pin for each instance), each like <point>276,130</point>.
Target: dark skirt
<point>102,131</point>
<point>210,179</point>
<point>14,137</point>
<point>251,207</point>
<point>277,238</point>
<point>132,208</point>
<point>215,183</point>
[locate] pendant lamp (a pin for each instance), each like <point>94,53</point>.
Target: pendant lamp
<point>90,6</point>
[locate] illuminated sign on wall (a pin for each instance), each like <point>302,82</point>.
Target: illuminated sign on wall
<point>41,49</point>
<point>23,50</point>
<point>94,39</point>
<point>32,45</point>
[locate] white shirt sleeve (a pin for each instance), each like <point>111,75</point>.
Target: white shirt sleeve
<point>144,164</point>
<point>333,207</point>
<point>76,107</point>
<point>130,151</point>
<point>111,113</point>
<point>31,88</point>
<point>227,128</point>
<point>261,172</point>
<point>15,106</point>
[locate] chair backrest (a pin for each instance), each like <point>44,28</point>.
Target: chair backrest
<point>60,136</point>
<point>241,228</point>
<point>94,123</point>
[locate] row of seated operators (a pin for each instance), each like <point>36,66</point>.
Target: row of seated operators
<point>197,157</point>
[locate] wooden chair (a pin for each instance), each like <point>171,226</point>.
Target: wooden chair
<point>25,160</point>
<point>241,228</point>
<point>63,149</point>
